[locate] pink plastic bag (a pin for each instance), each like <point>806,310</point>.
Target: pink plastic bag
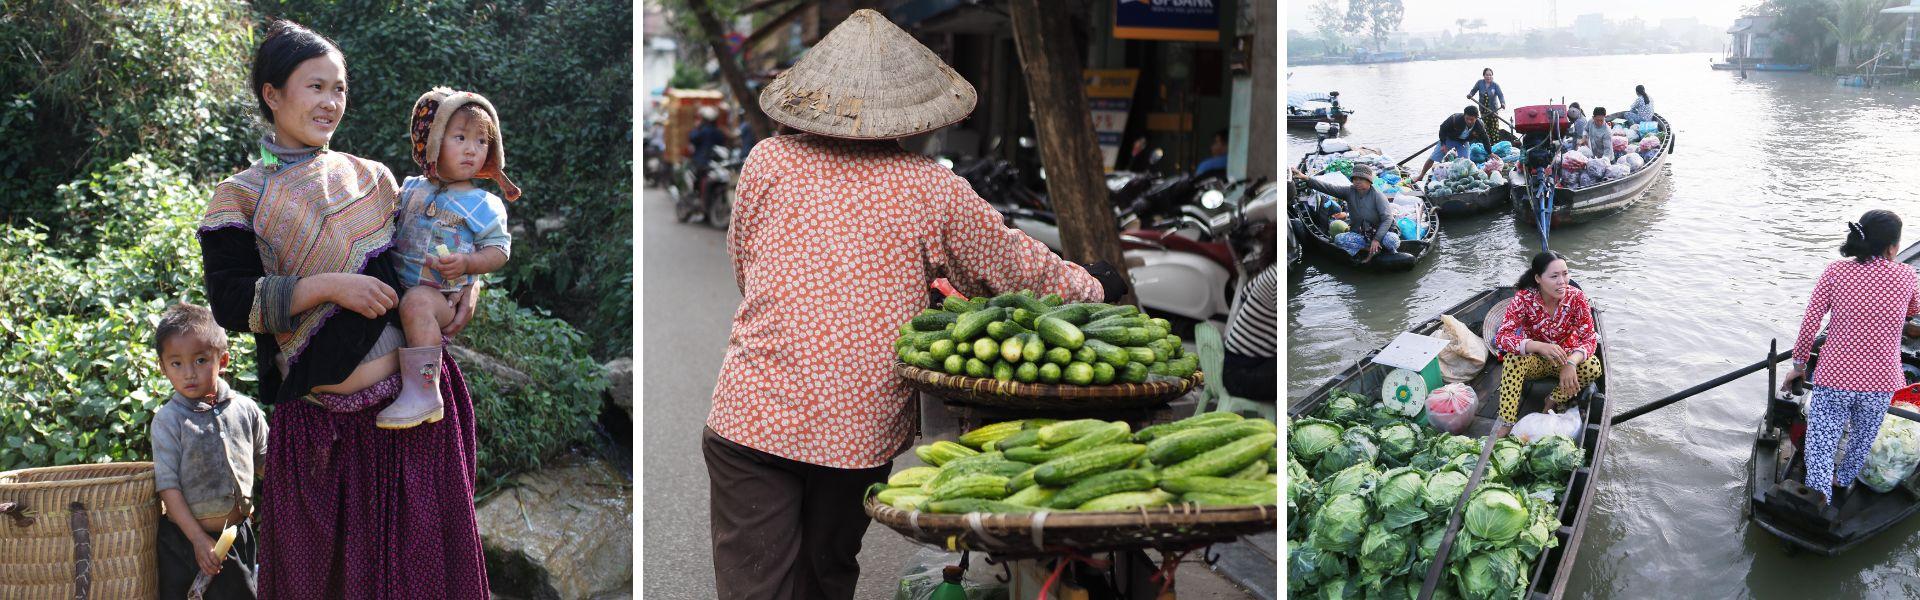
<point>1451,407</point>
<point>1619,143</point>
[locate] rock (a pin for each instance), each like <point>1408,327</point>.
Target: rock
<point>545,224</point>
<point>534,533</point>
<point>620,375</point>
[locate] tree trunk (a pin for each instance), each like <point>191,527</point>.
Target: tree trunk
<point>730,69</point>
<point>1262,154</point>
<point>1076,182</point>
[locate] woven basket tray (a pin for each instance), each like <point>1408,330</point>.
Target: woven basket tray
<point>37,537</point>
<point>1179,526</point>
<point>986,391</point>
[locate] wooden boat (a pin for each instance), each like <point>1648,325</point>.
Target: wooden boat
<point>1306,110</point>
<point>1781,504</point>
<point>1772,67</point>
<point>1552,569</point>
<point>1307,120</point>
<point>1471,203</point>
<point>1310,225</point>
<point>1572,206</point>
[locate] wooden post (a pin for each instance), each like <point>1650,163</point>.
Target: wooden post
<point>1076,179</point>
<point>1262,151</point>
<point>730,69</point>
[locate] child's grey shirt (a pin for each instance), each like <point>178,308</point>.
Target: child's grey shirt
<point>209,451</point>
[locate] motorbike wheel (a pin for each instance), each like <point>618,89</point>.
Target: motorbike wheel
<point>682,210</point>
<point>720,206</point>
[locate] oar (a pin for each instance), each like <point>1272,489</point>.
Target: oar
<point>1710,384</point>
<point>1403,162</point>
<point>1459,510</point>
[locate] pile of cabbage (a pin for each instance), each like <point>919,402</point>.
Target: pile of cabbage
<point>1369,495</point>
<point>1463,176</point>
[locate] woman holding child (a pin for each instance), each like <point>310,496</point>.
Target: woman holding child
<point>319,255</point>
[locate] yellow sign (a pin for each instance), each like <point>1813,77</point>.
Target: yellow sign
<point>1109,97</point>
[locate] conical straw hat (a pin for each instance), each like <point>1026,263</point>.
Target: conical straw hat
<point>868,80</point>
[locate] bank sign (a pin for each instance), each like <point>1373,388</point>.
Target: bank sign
<point>1167,20</point>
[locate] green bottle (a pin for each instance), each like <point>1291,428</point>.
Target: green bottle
<point>950,589</point>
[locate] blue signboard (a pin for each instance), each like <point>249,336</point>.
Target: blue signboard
<point>1167,20</point>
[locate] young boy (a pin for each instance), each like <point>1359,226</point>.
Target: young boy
<point>448,231</point>
<point>209,442</point>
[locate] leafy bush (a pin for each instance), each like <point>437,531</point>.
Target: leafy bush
<point>107,80</point>
<point>79,383</point>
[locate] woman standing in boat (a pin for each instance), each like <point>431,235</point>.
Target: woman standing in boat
<point>1548,331</point>
<point>1487,94</point>
<point>1868,299</point>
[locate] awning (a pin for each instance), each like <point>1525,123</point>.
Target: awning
<point>1739,28</point>
<point>1912,8</point>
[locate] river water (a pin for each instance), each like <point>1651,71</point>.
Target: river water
<point>1694,280</point>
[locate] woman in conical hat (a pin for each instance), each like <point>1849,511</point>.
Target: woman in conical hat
<point>836,235</point>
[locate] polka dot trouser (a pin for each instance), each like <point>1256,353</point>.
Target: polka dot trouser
<point>1520,369</point>
<point>1830,413</point>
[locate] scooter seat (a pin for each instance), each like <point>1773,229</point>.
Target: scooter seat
<point>1218,252</point>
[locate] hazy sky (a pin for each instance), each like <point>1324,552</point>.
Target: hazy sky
<point>1502,16</point>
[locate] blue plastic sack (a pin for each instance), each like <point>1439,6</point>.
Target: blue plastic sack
<point>1647,127</point>
<point>1351,242</point>
<point>1502,148</point>
<point>1477,152</point>
<point>1408,230</point>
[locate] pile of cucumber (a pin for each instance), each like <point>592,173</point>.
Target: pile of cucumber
<point>1213,459</point>
<point>1018,337</point>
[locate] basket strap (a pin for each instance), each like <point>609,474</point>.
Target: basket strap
<point>82,550</point>
<point>1038,528</point>
<point>22,516</point>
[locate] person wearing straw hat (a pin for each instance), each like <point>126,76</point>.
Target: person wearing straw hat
<point>836,235</point>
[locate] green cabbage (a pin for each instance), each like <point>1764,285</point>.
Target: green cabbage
<point>1311,566</point>
<point>1442,490</point>
<point>1399,442</point>
<point>1358,480</point>
<point>1448,446</point>
<point>1385,552</point>
<point>1398,496</point>
<point>1300,487</point>
<point>1493,575</point>
<point>1352,450</point>
<point>1340,524</point>
<point>1311,437</point>
<point>1345,407</point>
<point>1538,536</point>
<point>1553,457</point>
<point>1509,455</point>
<point>1495,514</point>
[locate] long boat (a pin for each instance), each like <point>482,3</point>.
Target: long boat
<point>1482,313</point>
<point>1772,67</point>
<point>1310,224</point>
<point>1471,203</point>
<point>1572,206</point>
<point>1781,504</point>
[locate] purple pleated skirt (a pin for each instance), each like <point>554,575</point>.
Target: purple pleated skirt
<point>349,510</point>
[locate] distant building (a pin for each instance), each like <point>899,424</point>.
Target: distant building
<point>1751,41</point>
<point>1590,26</point>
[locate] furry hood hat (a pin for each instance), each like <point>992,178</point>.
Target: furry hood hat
<point>431,114</point>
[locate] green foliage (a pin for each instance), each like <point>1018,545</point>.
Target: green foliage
<point>518,430</point>
<point>79,383</point>
<point>91,83</point>
<point>560,74</point>
<point>686,76</point>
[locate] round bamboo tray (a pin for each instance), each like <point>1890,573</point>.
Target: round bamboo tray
<point>986,391</point>
<point>107,513</point>
<point>1176,526</point>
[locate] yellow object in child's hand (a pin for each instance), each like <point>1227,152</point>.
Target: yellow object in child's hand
<point>441,250</point>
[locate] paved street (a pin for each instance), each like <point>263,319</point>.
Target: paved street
<point>688,299</point>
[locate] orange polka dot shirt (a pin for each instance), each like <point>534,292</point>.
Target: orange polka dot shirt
<point>835,244</point>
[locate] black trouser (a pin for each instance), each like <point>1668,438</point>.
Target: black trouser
<point>782,528</point>
<point>178,567</point>
<point>1251,378</point>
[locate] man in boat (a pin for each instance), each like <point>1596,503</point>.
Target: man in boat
<point>1599,137</point>
<point>1490,98</point>
<point>1366,212</point>
<point>1454,133</point>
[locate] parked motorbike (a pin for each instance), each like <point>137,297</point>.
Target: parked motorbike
<point>1189,280</point>
<point>707,192</point>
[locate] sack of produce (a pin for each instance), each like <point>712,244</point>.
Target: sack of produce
<point>1497,180</point>
<point>1618,171</point>
<point>1451,407</point>
<point>1650,142</point>
<point>1619,143</point>
<point>1408,229</point>
<point>1494,163</point>
<point>1542,424</point>
<point>1465,355</point>
<point>1477,152</point>
<point>1573,161</point>
<point>1503,148</point>
<point>1895,453</point>
<point>1596,169</point>
<point>1350,242</point>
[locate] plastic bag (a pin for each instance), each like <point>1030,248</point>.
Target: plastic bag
<point>1619,143</point>
<point>1618,171</point>
<point>1493,164</point>
<point>923,574</point>
<point>1542,424</point>
<point>1895,453</point>
<point>1408,229</point>
<point>1465,354</point>
<point>1503,148</point>
<point>1351,242</point>
<point>1635,161</point>
<point>1477,152</point>
<point>1451,407</point>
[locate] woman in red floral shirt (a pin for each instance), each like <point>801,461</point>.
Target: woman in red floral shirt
<point>835,238</point>
<point>1548,331</point>
<point>1869,298</point>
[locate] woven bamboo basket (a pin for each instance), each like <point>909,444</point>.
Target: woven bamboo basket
<point>1171,527</point>
<point>80,529</point>
<point>986,391</point>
